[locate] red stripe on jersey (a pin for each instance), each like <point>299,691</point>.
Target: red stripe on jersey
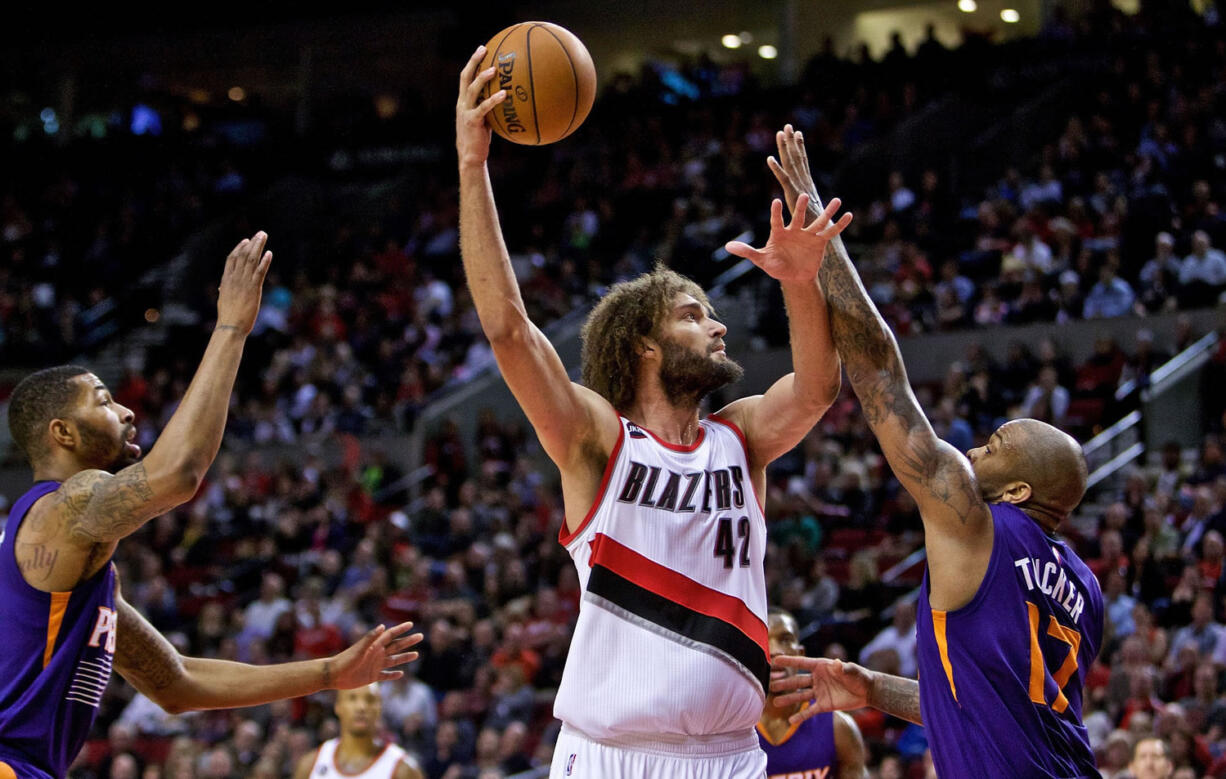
<point>677,588</point>
<point>564,538</point>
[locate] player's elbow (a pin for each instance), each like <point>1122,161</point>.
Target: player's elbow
<point>174,708</point>
<point>509,334</point>
<point>829,390</point>
<point>820,397</point>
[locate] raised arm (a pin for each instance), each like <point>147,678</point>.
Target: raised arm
<point>152,665</point>
<point>776,421</point>
<point>833,685</point>
<point>96,507</point>
<point>577,427</point>
<point>956,520</point>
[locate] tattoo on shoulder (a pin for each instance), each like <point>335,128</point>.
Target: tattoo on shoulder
<point>100,507</point>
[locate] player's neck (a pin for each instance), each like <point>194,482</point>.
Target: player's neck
<point>356,748</point>
<point>672,423</point>
<point>56,469</point>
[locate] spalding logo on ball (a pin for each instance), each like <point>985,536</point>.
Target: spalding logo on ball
<point>549,78</point>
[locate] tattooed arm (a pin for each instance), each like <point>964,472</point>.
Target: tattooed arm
<point>153,666</point>
<point>957,523</point>
<point>98,508</point>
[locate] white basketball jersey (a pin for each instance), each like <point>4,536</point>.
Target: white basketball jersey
<point>671,638</point>
<point>382,766</point>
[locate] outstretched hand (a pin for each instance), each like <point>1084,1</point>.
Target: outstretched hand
<point>242,283</point>
<point>472,134</point>
<point>831,685</point>
<point>794,252</point>
<point>372,657</point>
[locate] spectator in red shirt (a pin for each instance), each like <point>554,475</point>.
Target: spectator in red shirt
<point>514,652</point>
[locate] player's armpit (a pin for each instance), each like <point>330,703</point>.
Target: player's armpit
<point>146,659</point>
<point>97,507</point>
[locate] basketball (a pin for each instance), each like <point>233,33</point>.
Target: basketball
<point>549,78</point>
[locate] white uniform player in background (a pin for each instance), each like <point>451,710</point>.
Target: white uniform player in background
<point>670,662</point>
<point>357,753</point>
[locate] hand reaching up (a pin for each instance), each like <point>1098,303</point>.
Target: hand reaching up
<point>794,252</point>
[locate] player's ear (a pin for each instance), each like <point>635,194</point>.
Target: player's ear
<point>647,348</point>
<point>63,432</point>
<point>1015,492</point>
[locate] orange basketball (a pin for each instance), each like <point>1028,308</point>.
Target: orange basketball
<point>549,78</point>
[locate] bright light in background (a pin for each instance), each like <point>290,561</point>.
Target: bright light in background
<point>746,37</point>
<point>51,124</point>
<point>767,52</point>
<point>236,94</point>
<point>968,6</point>
<point>731,41</point>
<point>1010,16</point>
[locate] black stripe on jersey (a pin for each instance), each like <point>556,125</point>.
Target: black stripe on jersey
<point>679,619</point>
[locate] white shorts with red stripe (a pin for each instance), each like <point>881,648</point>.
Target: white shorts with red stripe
<point>724,756</point>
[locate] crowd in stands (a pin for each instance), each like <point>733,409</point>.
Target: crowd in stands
<point>368,318</point>
<point>278,559</point>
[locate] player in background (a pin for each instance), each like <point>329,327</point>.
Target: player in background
<point>356,753</point>
<point>668,668</point>
<point>1009,619</point>
<point>825,746</point>
<point>65,620</point>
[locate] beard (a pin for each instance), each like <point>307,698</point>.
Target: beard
<point>687,378</point>
<point>106,452</point>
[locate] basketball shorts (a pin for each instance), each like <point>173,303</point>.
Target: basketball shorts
<point>700,757</point>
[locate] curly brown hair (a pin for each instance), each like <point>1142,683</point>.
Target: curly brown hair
<point>629,311</point>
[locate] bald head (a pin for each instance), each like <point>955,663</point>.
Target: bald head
<point>1044,458</point>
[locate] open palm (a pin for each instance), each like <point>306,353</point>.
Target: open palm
<point>793,252</point>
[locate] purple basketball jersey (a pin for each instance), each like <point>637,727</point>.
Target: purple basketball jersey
<point>1001,678</point>
<point>58,651</point>
<point>806,751</point>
